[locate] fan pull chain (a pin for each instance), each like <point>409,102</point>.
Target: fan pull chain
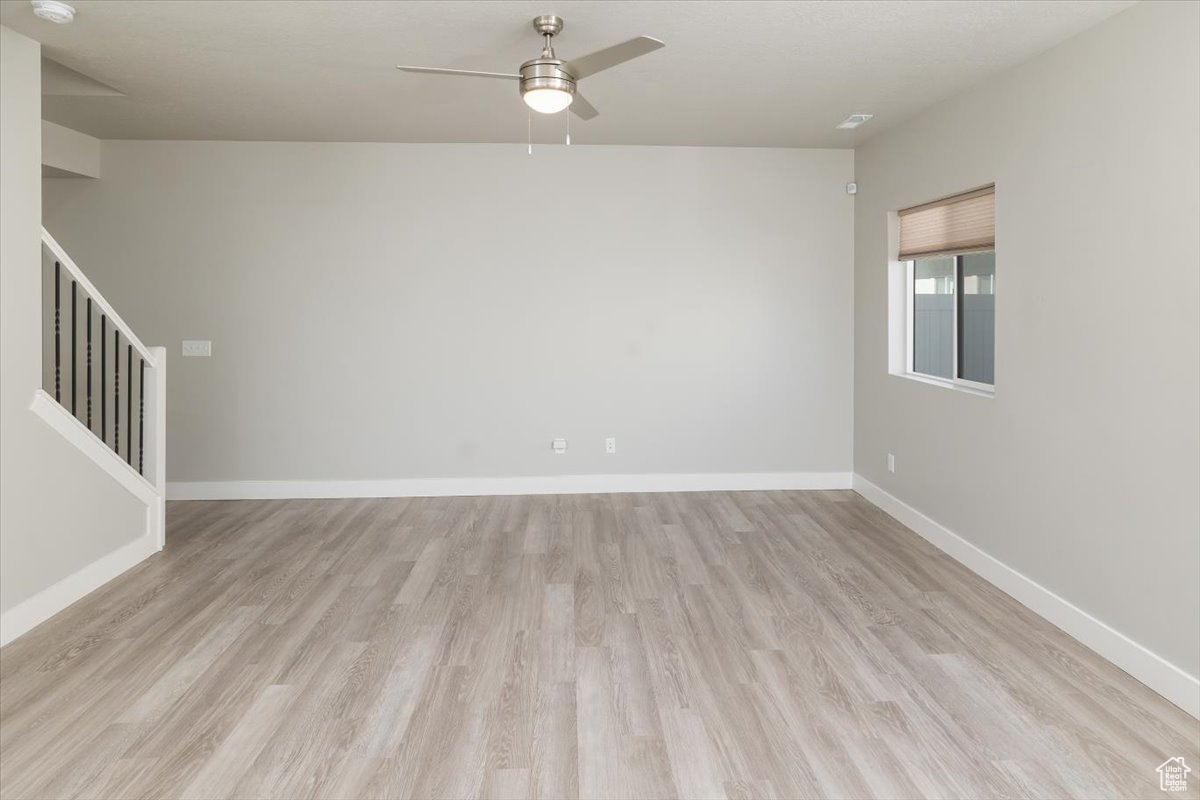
<point>568,127</point>
<point>529,129</point>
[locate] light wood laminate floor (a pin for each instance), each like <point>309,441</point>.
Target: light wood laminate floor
<point>753,644</point>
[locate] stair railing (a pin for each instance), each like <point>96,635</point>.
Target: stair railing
<point>99,365</point>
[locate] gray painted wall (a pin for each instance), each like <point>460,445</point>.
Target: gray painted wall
<point>1082,471</point>
<point>416,311</point>
<point>58,511</point>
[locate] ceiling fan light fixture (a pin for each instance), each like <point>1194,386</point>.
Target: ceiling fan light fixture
<point>548,101</point>
<point>546,86</point>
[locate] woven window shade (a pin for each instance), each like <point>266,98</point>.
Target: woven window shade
<point>963,223</point>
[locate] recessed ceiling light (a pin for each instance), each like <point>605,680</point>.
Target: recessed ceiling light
<point>854,120</point>
<point>53,10</point>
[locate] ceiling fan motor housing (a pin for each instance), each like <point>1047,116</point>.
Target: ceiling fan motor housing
<point>546,73</point>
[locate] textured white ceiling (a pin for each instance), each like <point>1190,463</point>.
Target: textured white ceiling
<point>778,74</point>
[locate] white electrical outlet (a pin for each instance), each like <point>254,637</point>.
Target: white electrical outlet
<point>610,444</point>
<point>197,349</point>
<point>559,446</point>
<point>891,462</point>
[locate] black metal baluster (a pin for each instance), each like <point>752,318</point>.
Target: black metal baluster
<point>89,363</point>
<point>129,406</point>
<point>141,416</point>
<point>103,377</point>
<point>57,337</point>
<point>74,347</point>
<point>116,391</point>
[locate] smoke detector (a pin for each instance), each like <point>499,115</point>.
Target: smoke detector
<point>53,11</point>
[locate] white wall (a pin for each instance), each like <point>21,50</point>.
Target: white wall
<point>419,311</point>
<point>46,534</point>
<point>68,153</point>
<point>1082,471</point>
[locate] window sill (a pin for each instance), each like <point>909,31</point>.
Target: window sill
<point>979,390</point>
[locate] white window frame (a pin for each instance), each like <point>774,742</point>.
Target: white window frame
<point>962,384</point>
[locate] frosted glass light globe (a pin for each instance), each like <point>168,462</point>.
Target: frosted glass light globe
<point>548,101</point>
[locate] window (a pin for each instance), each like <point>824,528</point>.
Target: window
<point>977,317</point>
<point>948,248</point>
<point>953,317</point>
<point>933,315</point>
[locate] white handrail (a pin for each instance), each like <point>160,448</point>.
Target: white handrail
<point>97,298</point>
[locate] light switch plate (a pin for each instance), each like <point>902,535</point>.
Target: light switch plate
<point>197,349</point>
<point>559,446</point>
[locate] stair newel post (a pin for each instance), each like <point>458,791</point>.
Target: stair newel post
<point>141,416</point>
<point>156,438</point>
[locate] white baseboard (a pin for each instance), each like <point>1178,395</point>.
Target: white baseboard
<point>37,609</point>
<point>470,487</point>
<point>1151,669</point>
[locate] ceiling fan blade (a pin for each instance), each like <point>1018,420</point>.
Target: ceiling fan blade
<point>582,108</point>
<point>468,72</point>
<point>611,56</point>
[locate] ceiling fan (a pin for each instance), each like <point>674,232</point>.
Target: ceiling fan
<point>549,84</point>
